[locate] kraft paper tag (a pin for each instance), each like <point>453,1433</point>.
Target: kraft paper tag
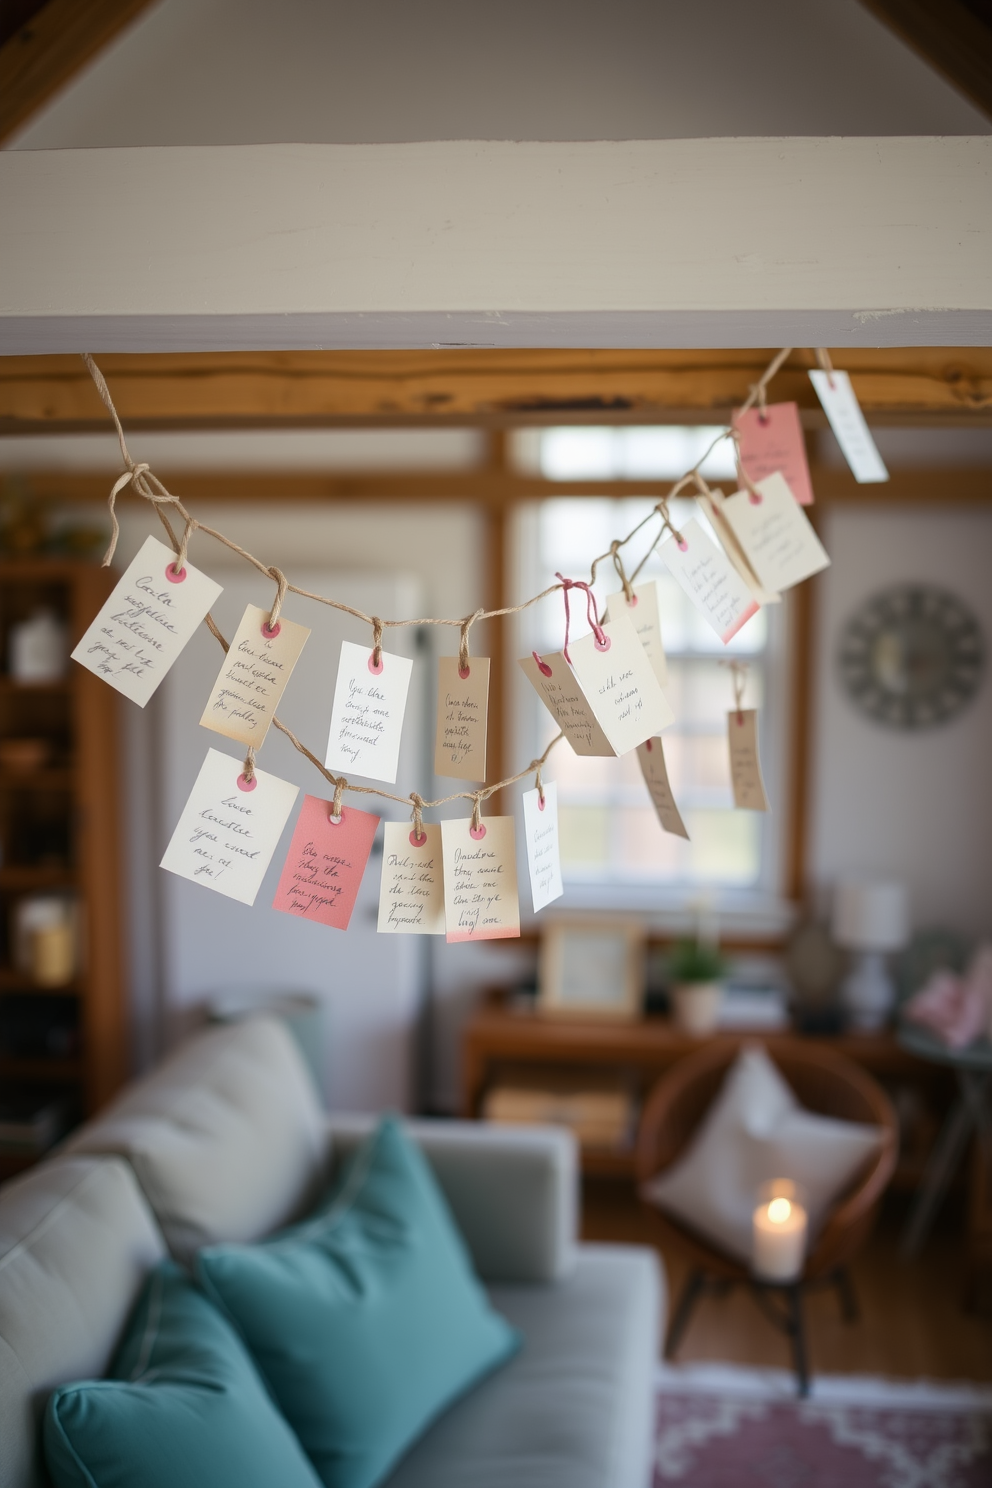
<point>230,828</point>
<point>775,533</point>
<point>253,677</point>
<point>843,410</point>
<point>644,611</point>
<point>325,863</point>
<point>480,880</point>
<point>745,767</point>
<point>651,757</point>
<point>561,694</point>
<point>462,713</point>
<point>710,580</point>
<point>771,439</point>
<point>367,716</point>
<point>411,896</point>
<point>543,855</point>
<point>145,623</point>
<point>620,685</point>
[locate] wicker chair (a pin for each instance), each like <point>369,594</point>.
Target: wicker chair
<point>824,1082</point>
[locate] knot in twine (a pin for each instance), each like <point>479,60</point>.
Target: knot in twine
<point>628,588</point>
<point>418,816</point>
<point>592,614</point>
<point>467,623</point>
<point>249,769</point>
<point>666,521</point>
<point>339,789</point>
<point>282,584</point>
<point>476,811</point>
<point>738,677</point>
<point>376,641</point>
<point>537,766</point>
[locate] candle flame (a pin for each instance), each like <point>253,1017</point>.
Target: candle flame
<point>779,1211</point>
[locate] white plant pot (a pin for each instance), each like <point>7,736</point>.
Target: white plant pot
<point>696,1006</point>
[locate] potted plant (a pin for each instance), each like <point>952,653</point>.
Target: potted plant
<point>695,975</point>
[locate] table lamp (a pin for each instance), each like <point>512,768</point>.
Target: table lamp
<point>870,918</point>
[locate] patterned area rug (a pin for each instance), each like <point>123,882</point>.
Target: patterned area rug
<point>720,1426</point>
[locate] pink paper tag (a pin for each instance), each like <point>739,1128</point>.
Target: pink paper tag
<point>325,863</point>
<point>772,440</point>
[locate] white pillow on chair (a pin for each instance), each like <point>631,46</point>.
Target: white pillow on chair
<point>755,1131</point>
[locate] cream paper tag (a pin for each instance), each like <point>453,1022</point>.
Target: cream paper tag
<point>411,895</point>
<point>651,757</point>
<point>710,580</point>
<point>712,503</point>
<point>644,611</point>
<point>557,687</point>
<point>253,677</point>
<point>462,713</point>
<point>771,439</point>
<point>842,408</point>
<point>621,686</point>
<point>480,879</point>
<point>145,623</point>
<point>230,828</point>
<point>543,855</point>
<point>367,716</point>
<point>745,767</point>
<point>775,533</point>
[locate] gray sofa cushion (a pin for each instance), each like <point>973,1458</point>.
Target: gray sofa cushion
<point>575,1408</point>
<point>226,1138</point>
<point>76,1239</point>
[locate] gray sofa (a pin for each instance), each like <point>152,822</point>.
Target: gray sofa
<point>226,1140</point>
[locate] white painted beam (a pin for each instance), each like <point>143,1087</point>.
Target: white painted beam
<point>744,242</point>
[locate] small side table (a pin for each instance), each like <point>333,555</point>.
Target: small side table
<point>970,1113</point>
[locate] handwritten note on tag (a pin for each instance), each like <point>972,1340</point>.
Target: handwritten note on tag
<point>367,716</point>
<point>645,614</point>
<point>543,856</point>
<point>230,828</point>
<point>462,713</point>
<point>324,866</point>
<point>621,685</point>
<point>771,439</point>
<point>775,533</point>
<point>842,408</point>
<point>745,766</point>
<point>411,896</point>
<point>712,504</point>
<point>556,685</point>
<point>146,622</point>
<point>710,580</point>
<point>480,880</point>
<point>253,677</point>
<point>651,757</point>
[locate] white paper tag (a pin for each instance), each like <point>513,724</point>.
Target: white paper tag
<point>411,895</point>
<point>645,614</point>
<point>775,533</point>
<point>651,757</point>
<point>543,855</point>
<point>842,408</point>
<point>145,623</point>
<point>480,880</point>
<point>557,687</point>
<point>745,766</point>
<point>367,716</point>
<point>253,677</point>
<point>462,714</point>
<point>620,685</point>
<point>710,580</point>
<point>230,828</point>
<point>712,503</point>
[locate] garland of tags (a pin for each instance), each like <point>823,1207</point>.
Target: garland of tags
<point>605,690</point>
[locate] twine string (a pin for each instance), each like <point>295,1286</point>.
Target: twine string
<point>592,613</point>
<point>738,679</point>
<point>628,588</point>
<point>825,364</point>
<point>282,584</point>
<point>463,656</point>
<point>339,789</point>
<point>418,815</point>
<point>249,769</point>
<point>477,810</point>
<point>376,642</point>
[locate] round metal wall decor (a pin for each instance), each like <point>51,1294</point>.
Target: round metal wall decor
<point>912,656</point>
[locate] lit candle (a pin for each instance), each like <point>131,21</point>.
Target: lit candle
<point>779,1239</point>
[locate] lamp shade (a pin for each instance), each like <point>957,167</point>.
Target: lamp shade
<point>871,916</point>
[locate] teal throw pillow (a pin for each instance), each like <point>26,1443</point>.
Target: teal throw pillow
<point>366,1320</point>
<point>183,1408</point>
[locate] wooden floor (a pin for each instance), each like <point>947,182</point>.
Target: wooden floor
<point>913,1320</point>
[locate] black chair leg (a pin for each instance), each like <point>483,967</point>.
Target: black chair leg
<point>849,1309</point>
<point>691,1292</point>
<point>797,1333</point>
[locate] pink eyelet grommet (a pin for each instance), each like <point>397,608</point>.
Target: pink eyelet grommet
<point>683,545</point>
<point>336,821</point>
<point>542,666</point>
<point>375,670</point>
<point>271,631</point>
<point>245,784</point>
<point>172,576</point>
<point>602,645</point>
<point>540,803</point>
<point>477,833</point>
<point>754,497</point>
<point>632,601</point>
<point>464,672</point>
<point>416,841</point>
<point>649,745</point>
<point>764,417</point>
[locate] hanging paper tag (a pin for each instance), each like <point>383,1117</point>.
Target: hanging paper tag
<point>651,757</point>
<point>253,677</point>
<point>621,686</point>
<point>775,533</point>
<point>230,828</point>
<point>543,856</point>
<point>745,767</point>
<point>367,716</point>
<point>842,408</point>
<point>324,866</point>
<point>569,707</point>
<point>712,503</point>
<point>480,880</point>
<point>644,613</point>
<point>771,439</point>
<point>146,622</point>
<point>411,896</point>
<point>710,580</point>
<point>462,712</point>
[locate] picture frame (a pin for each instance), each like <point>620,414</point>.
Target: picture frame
<point>591,968</point>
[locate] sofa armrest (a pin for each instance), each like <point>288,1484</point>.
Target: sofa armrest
<point>513,1190</point>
